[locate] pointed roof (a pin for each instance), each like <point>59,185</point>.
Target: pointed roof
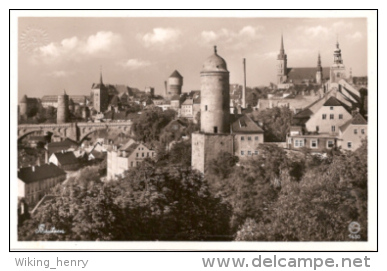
<point>356,120</point>
<point>282,43</point>
<point>24,99</point>
<point>332,101</point>
<point>176,74</point>
<point>66,158</point>
<point>37,173</point>
<point>242,124</point>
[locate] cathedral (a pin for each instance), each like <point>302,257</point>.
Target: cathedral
<point>287,76</point>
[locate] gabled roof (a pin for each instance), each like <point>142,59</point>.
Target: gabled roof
<point>66,158</point>
<point>176,74</point>
<point>299,74</point>
<point>188,102</point>
<point>356,120</point>
<point>67,143</point>
<point>28,175</point>
<point>332,101</point>
<point>243,124</point>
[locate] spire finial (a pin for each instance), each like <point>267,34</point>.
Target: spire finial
<point>215,51</point>
<point>64,92</point>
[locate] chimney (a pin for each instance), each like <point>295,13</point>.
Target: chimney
<point>244,84</point>
<point>165,85</point>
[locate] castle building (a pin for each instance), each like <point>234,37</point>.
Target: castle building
<point>220,131</point>
<point>174,84</point>
<point>299,76</point>
<point>100,96</point>
<point>27,106</point>
<point>62,115</point>
<point>337,71</point>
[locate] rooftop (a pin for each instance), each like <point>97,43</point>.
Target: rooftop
<point>38,173</point>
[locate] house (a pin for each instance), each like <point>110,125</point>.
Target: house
<point>64,145</point>
<point>353,132</point>
<point>37,141</point>
<point>36,181</point>
<point>329,117</point>
<point>64,160</point>
<point>247,136</point>
<point>120,159</point>
<point>96,155</point>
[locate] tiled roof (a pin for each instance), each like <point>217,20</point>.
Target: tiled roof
<point>66,158</point>
<point>299,74</point>
<point>27,175</point>
<point>176,74</point>
<point>188,102</point>
<point>332,101</point>
<point>243,124</point>
<point>358,120</point>
<point>65,144</point>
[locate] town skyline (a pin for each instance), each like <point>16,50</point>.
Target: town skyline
<point>68,53</point>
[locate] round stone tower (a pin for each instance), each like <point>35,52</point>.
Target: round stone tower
<point>175,83</point>
<point>23,106</point>
<point>215,96</point>
<point>63,108</point>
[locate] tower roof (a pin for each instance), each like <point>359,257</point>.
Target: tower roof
<point>215,63</point>
<point>24,99</point>
<point>176,74</point>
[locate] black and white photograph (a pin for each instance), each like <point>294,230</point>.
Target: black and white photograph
<point>189,132</point>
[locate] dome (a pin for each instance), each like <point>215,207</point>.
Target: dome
<point>215,63</point>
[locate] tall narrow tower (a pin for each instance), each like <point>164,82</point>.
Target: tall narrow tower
<point>244,84</point>
<point>319,74</point>
<point>100,96</point>
<point>215,96</point>
<point>63,108</point>
<point>282,64</point>
<point>214,136</point>
<point>338,68</point>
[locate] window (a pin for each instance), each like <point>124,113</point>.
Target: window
<point>147,154</point>
<point>242,153</point>
<point>131,164</point>
<point>333,128</point>
<point>299,143</point>
<point>317,128</point>
<point>142,155</point>
<point>331,116</point>
<point>340,116</point>
<point>355,131</point>
<point>331,107</point>
<point>349,145</point>
<point>137,163</point>
<point>215,130</point>
<point>256,152</point>
<point>330,144</point>
<point>256,138</point>
<point>205,107</point>
<point>136,154</point>
<point>324,116</point>
<point>249,138</point>
<point>313,144</point>
<point>362,131</point>
<point>242,138</point>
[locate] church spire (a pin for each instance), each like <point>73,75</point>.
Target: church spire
<point>319,60</point>
<point>282,50</point>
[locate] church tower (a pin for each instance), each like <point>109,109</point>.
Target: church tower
<point>338,68</point>
<point>100,96</point>
<point>214,135</point>
<point>319,74</point>
<point>282,64</point>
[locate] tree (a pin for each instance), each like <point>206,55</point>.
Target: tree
<point>223,165</point>
<point>276,123</point>
<point>148,126</point>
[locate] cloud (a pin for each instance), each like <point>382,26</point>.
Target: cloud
<point>314,31</point>
<point>340,26</point>
<point>134,64</point>
<point>74,48</point>
<point>357,36</point>
<point>59,74</point>
<point>234,39</point>
<point>160,37</point>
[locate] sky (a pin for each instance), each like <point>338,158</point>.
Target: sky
<point>64,53</point>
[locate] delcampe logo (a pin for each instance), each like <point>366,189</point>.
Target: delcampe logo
<point>354,228</point>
